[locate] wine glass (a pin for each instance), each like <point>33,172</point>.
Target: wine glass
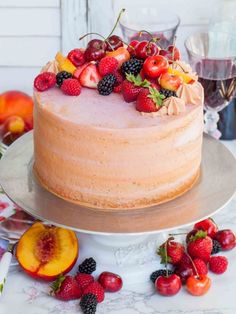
<point>213,56</point>
<point>160,23</point>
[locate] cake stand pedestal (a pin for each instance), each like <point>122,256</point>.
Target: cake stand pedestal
<point>122,241</point>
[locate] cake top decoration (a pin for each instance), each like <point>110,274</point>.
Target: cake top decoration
<point>140,71</point>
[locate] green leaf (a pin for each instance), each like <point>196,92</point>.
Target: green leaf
<point>156,96</point>
<point>137,80</point>
<point>55,286</point>
<point>200,234</point>
<point>164,258</point>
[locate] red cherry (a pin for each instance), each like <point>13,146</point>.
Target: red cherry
<point>132,47</point>
<point>110,282</point>
<point>226,238</point>
<point>96,50</point>
<point>184,271</point>
<point>174,53</point>
<point>115,42</point>
<point>155,66</point>
<point>97,43</point>
<point>163,53</point>
<point>168,286</point>
<point>146,49</point>
<point>207,225</point>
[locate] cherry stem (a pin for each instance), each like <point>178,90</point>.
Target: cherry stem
<point>117,21</point>
<point>167,273</point>
<point>154,39</point>
<point>194,267</point>
<point>176,234</point>
<point>173,51</point>
<point>97,35</point>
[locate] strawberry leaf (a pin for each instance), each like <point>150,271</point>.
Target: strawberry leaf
<point>200,234</point>
<point>56,285</point>
<point>137,80</point>
<point>156,96</point>
<point>164,258</point>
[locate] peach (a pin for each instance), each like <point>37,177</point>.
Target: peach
<point>15,103</point>
<point>14,124</point>
<point>187,78</point>
<point>121,54</point>
<point>44,252</point>
<point>170,81</point>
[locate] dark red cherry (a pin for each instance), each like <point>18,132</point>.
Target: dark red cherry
<point>114,42</point>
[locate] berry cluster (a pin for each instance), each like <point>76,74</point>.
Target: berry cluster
<point>83,285</point>
<point>190,262</point>
<point>106,64</point>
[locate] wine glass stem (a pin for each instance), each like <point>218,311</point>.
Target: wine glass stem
<point>211,118</point>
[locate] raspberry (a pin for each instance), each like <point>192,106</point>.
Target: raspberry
<point>88,266</point>
<point>76,56</point>
<point>96,289</point>
<point>119,78</point>
<point>201,266</point>
<point>71,87</point>
<point>44,81</point>
<point>218,264</point>
<point>84,280</point>
<point>108,65</point>
<point>117,89</point>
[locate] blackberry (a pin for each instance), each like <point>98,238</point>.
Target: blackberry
<point>132,66</point>
<point>61,76</point>
<point>88,303</point>
<point>216,247</point>
<point>106,85</point>
<point>160,272</point>
<point>88,266</point>
<point>167,93</point>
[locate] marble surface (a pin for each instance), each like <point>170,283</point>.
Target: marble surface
<point>26,296</point>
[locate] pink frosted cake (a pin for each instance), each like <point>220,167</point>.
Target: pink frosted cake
<point>116,151</point>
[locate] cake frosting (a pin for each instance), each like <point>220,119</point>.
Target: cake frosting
<point>190,93</point>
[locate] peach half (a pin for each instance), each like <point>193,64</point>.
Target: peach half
<point>44,251</point>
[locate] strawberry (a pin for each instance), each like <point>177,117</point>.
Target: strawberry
<point>200,266</point>
<point>218,264</point>
<point>76,56</point>
<point>132,86</point>
<point>174,252</point>
<point>200,246</point>
<point>84,280</point>
<point>90,76</point>
<point>117,89</point>
<point>45,81</point>
<point>108,65</point>
<point>79,70</point>
<point>149,100</point>
<point>71,87</point>
<point>207,225</point>
<point>66,288</point>
<point>96,289</point>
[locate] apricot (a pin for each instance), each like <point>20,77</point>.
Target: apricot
<point>15,103</point>
<point>121,54</point>
<point>44,252</point>
<point>14,124</point>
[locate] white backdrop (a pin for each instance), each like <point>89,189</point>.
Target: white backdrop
<point>32,31</point>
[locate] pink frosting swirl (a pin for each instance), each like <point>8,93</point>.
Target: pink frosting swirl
<point>191,93</point>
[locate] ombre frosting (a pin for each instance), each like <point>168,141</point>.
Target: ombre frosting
<point>191,93</point>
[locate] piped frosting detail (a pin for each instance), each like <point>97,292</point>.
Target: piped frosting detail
<point>190,93</point>
<point>51,66</point>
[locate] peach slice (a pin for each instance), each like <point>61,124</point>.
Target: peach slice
<point>187,78</point>
<point>121,54</point>
<point>44,252</point>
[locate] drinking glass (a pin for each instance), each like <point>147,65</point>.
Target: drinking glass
<point>159,22</point>
<point>213,56</point>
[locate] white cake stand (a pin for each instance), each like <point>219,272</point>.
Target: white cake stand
<point>125,241</point>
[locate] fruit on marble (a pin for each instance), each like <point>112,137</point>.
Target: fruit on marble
<point>61,76</point>
<point>96,50</point>
<point>184,271</point>
<point>108,65</point>
<point>89,77</point>
<point>207,225</point>
<point>71,87</point>
<point>226,238</point>
<point>132,66</point>
<point>218,264</point>
<point>170,81</point>
<point>198,285</point>
<point>76,56</point>
<point>45,81</point>
<point>160,272</point>
<point>96,289</point>
<point>171,252</point>
<point>168,286</point>
<point>149,100</point>
<point>201,266</point>
<point>155,66</point>
<point>186,77</point>
<point>200,246</point>
<point>84,280</point>
<point>88,266</point>
<point>66,288</point>
<point>216,247</point>
<point>110,282</point>
<point>114,42</point>
<point>132,86</point>
<point>88,303</point>
<point>14,125</point>
<point>44,251</point>
<point>15,103</point>
<point>146,49</point>
<point>121,55</point>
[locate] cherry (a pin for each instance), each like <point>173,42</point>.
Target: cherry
<point>146,49</point>
<point>168,286</point>
<point>174,52</point>
<point>96,50</point>
<point>132,47</point>
<point>207,225</point>
<point>184,271</point>
<point>226,238</point>
<point>110,282</point>
<point>198,285</point>
<point>154,66</point>
<point>114,42</point>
